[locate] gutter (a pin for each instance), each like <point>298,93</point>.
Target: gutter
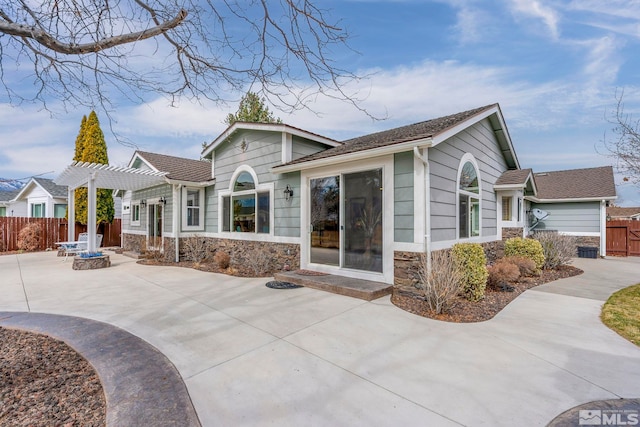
<point>424,158</point>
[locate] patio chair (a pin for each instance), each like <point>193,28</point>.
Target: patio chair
<point>80,245</point>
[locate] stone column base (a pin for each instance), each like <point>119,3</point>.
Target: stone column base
<point>92,263</point>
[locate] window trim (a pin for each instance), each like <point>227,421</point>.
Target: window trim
<point>44,209</point>
<point>201,208</point>
<point>468,158</point>
<point>135,208</point>
<point>268,187</point>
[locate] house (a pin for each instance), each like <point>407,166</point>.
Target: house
<point>38,198</point>
<point>627,213</point>
<point>572,202</point>
<point>6,197</point>
<point>364,208</point>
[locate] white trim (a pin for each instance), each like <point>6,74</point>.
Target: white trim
<point>408,247</point>
<point>446,244</point>
<point>135,232</point>
<point>362,155</point>
<point>259,188</point>
<point>468,157</point>
<point>386,164</point>
<point>419,202</point>
<point>603,228</point>
<point>133,207</point>
<point>287,147</point>
<point>252,237</point>
<point>201,208</point>
<point>579,233</point>
<point>586,199</point>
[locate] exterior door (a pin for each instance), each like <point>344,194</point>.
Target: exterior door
<point>346,221</point>
<point>154,232</point>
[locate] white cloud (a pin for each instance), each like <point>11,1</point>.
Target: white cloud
<point>535,9</point>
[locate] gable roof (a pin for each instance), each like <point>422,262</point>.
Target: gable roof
<point>426,133</point>
<point>54,190</point>
<point>623,212</point>
<point>177,168</point>
<point>269,127</point>
<point>580,184</point>
<point>517,177</point>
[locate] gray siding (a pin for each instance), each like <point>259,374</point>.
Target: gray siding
<point>263,152</point>
<point>302,147</point>
<point>153,193</point>
<point>570,217</point>
<point>403,197</point>
<point>444,159</point>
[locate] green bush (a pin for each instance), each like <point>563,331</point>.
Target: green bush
<point>472,263</point>
<point>528,248</point>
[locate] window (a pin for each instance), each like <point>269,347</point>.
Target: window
<point>3,211</point>
<point>519,209</point>
<point>468,199</point>
<point>38,210</point>
<point>506,208</point>
<point>59,210</point>
<point>247,209</point>
<point>135,214</point>
<point>193,208</point>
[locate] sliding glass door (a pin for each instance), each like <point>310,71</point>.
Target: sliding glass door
<point>346,220</point>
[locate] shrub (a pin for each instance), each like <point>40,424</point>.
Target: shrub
<point>195,248</point>
<point>558,249</point>
<point>29,237</point>
<point>526,265</point>
<point>470,259</point>
<point>441,283</point>
<point>528,248</point>
<point>222,259</point>
<point>503,272</point>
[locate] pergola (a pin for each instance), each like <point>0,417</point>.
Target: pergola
<point>94,176</point>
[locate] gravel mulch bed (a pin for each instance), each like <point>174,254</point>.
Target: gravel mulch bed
<point>44,382</point>
<point>494,300</point>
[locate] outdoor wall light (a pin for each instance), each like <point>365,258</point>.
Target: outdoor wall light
<point>162,200</point>
<point>143,203</point>
<point>288,193</point>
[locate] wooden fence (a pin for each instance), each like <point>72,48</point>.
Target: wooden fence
<point>53,230</point>
<point>623,238</point>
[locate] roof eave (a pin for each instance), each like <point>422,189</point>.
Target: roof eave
<point>565,200</point>
<point>191,183</point>
<point>349,157</point>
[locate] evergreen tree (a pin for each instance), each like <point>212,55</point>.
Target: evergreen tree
<point>92,148</point>
<point>252,109</point>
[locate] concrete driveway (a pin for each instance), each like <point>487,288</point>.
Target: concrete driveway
<point>250,355</point>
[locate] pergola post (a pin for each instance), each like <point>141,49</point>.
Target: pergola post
<point>91,213</point>
<point>71,215</point>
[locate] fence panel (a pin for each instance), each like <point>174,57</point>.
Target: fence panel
<point>53,230</point>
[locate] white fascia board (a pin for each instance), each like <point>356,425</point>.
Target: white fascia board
<point>191,183</point>
<point>443,136</point>
<point>586,199</point>
<point>138,156</point>
<point>269,127</point>
<point>350,157</point>
<point>27,187</point>
<point>505,187</point>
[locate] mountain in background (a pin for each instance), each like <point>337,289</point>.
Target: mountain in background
<point>10,185</point>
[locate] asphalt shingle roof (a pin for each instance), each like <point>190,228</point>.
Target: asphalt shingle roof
<point>179,168</point>
<point>5,196</point>
<point>398,135</point>
<point>625,212</point>
<point>514,177</point>
<point>59,191</point>
<point>576,184</point>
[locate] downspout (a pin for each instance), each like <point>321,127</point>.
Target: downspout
<point>424,158</point>
<point>177,206</point>
<point>603,228</point>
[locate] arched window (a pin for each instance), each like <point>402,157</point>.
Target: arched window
<point>246,209</point>
<point>469,211</point>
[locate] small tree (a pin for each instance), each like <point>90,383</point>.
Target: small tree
<point>91,147</point>
<point>625,146</point>
<point>440,282</point>
<point>252,108</point>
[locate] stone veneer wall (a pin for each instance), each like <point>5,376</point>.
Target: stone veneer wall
<point>592,241</point>
<point>510,232</point>
<point>407,264</point>
<point>253,258</point>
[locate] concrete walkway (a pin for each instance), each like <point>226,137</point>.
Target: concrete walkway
<point>250,355</point>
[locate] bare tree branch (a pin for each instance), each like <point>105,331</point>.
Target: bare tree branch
<point>625,146</point>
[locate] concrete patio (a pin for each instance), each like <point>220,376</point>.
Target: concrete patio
<point>250,355</point>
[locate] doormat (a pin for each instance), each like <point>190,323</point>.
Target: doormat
<point>275,284</point>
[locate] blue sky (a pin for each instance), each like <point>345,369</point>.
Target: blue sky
<point>554,67</point>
